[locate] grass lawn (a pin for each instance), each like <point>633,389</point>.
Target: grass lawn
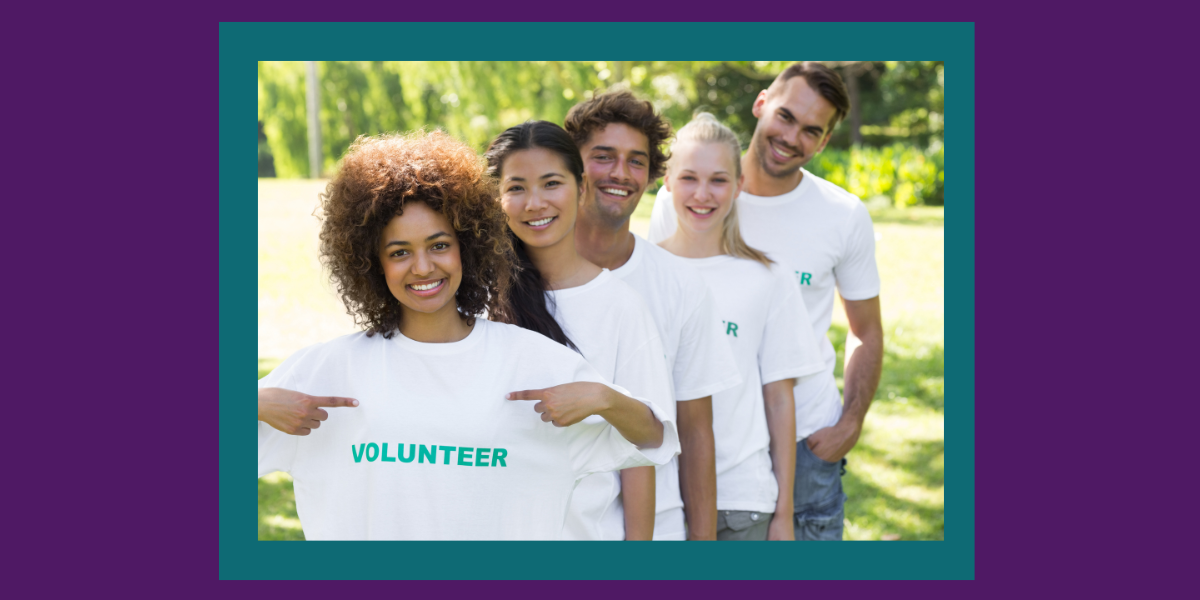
<point>895,476</point>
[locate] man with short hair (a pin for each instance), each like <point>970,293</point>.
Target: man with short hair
<point>824,234</point>
<point>621,139</point>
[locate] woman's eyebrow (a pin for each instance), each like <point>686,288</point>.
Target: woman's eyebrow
<point>404,243</point>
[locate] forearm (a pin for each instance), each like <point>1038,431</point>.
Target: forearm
<point>781,424</point>
<point>863,367</point>
<point>263,398</point>
<point>698,468</point>
<point>637,497</point>
<point>633,420</point>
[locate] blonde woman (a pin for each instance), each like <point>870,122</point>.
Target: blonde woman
<point>764,321</point>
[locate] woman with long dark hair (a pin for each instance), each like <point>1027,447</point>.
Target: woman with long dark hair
<point>438,445</point>
<point>561,295</point>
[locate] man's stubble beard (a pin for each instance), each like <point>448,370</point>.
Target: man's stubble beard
<point>604,218</point>
<point>761,148</point>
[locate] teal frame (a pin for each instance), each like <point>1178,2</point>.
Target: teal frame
<point>243,556</point>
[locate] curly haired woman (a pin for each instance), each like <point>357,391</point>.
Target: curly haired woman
<point>440,446</point>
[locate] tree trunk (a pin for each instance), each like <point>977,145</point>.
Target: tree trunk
<point>855,113</point>
<point>314,121</point>
<point>619,70</point>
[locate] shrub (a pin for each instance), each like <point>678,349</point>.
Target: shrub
<point>906,174</point>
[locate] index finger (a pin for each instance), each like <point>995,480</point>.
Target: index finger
<point>526,395</point>
<point>335,401</point>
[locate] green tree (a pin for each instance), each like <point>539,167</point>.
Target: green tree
<point>476,100</point>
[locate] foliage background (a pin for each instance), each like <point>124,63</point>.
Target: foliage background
<point>888,152</point>
<point>891,145</point>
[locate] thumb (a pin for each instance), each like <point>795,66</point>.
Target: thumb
<point>336,401</point>
<point>526,395</point>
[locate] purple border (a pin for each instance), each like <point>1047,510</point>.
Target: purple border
<point>160,495</point>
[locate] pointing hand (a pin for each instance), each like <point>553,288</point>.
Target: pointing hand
<point>295,413</point>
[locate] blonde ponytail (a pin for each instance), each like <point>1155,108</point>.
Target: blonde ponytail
<point>705,128</point>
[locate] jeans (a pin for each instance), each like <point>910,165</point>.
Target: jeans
<point>818,497</point>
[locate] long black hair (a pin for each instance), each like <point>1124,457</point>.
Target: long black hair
<point>527,303</point>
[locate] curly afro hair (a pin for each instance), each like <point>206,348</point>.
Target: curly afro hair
<point>622,107</point>
<point>381,174</point>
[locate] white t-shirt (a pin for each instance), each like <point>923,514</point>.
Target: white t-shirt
<point>700,361</point>
<point>434,451</point>
<point>767,327</point>
<point>824,234</point>
<point>609,322</point>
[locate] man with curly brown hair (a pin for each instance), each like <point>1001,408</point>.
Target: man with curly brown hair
<point>620,139</point>
<point>441,445</point>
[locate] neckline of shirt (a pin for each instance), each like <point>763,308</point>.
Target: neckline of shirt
<point>805,184</point>
<point>709,261</point>
<point>442,349</point>
<point>597,281</point>
<point>635,259</point>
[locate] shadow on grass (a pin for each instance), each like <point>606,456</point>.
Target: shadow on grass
<point>912,373</point>
<point>875,508</point>
<point>277,518</point>
<point>896,488</point>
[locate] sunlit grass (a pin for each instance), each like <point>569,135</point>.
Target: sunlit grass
<point>266,365</point>
<point>277,509</point>
<point>895,476</point>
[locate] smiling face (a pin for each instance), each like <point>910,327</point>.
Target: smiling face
<point>616,160</point>
<point>794,124</point>
<point>420,256</point>
<point>703,182</point>
<point>540,197</point>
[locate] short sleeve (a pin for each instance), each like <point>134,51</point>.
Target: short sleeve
<point>662,218</point>
<point>856,273</point>
<point>276,449</point>
<point>789,347</point>
<point>642,363</point>
<point>597,447</point>
<point>704,364</point>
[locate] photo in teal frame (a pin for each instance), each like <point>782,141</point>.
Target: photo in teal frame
<point>242,556</point>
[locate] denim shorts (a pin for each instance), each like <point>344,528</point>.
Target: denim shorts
<point>742,525</point>
<point>818,497</point>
